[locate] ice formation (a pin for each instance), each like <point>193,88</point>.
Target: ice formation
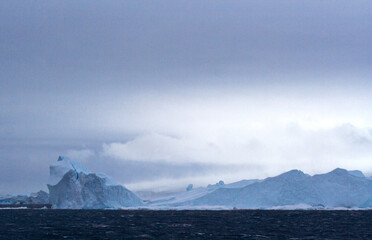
<point>71,185</point>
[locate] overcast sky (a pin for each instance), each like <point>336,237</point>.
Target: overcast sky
<point>160,94</point>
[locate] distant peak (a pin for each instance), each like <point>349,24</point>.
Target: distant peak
<point>339,171</point>
<point>295,173</point>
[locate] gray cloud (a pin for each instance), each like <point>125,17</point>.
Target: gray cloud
<point>194,83</point>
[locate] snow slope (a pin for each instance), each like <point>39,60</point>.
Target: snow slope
<point>241,183</point>
<point>178,198</point>
<point>195,193</point>
<point>71,185</point>
<point>338,188</point>
<point>356,173</point>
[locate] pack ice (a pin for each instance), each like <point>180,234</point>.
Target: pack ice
<point>71,185</point>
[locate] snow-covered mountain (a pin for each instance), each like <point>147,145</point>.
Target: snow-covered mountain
<point>71,185</point>
<point>339,188</point>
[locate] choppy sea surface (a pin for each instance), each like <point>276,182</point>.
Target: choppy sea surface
<point>198,224</point>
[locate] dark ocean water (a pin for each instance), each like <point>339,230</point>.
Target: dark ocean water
<point>144,224</point>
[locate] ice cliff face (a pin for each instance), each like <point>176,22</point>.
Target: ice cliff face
<point>338,188</point>
<point>71,185</point>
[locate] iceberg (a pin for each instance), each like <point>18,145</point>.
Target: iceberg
<point>73,186</point>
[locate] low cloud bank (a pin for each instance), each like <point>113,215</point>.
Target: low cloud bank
<point>275,150</point>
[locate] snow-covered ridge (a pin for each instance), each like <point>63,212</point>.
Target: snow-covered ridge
<point>337,189</point>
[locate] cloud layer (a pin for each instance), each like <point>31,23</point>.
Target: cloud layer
<point>162,92</point>
<point>275,150</point>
